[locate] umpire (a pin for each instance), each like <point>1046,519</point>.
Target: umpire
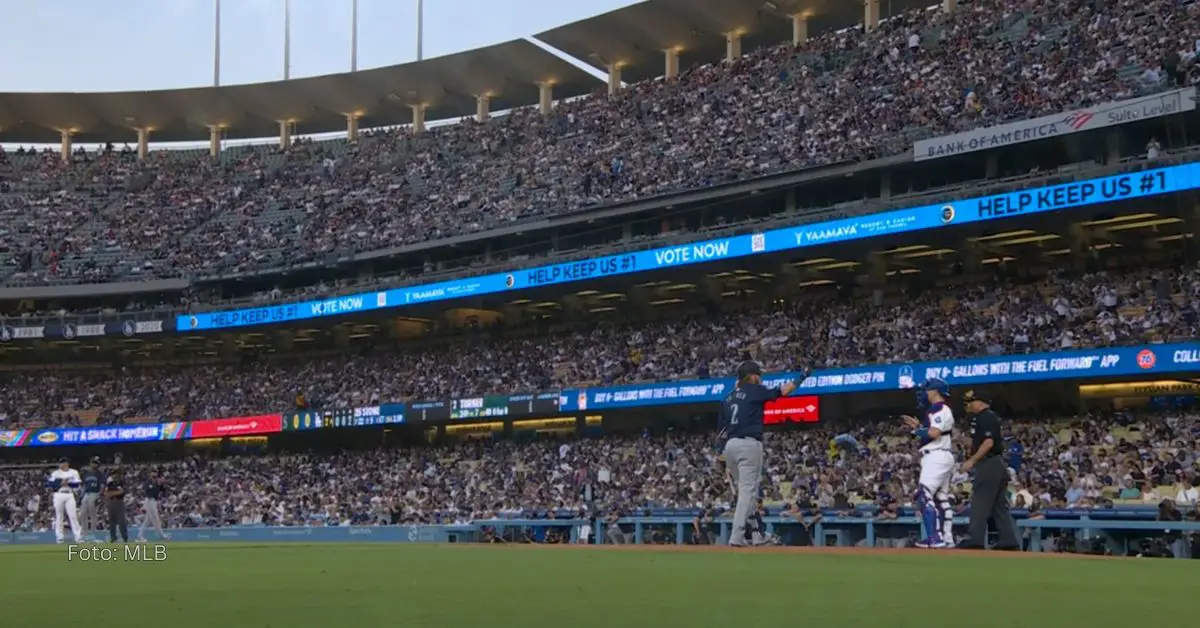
<point>114,492</point>
<point>989,491</point>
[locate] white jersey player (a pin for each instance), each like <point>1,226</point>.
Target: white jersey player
<point>933,431</point>
<point>64,481</point>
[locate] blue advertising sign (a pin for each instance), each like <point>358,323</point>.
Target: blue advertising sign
<point>92,435</point>
<point>1022,203</point>
<point>1113,361</point>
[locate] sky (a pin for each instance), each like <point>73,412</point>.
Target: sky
<point>118,45</point>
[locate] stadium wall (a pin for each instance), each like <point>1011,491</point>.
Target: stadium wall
<point>831,531</point>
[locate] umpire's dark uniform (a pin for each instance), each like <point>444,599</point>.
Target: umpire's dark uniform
<point>114,492</point>
<point>989,492</point>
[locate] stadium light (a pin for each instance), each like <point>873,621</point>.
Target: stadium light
<point>420,29</point>
<point>217,44</point>
<point>287,39</point>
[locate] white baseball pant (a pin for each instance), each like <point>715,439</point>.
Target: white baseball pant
<point>937,468</point>
<point>64,511</point>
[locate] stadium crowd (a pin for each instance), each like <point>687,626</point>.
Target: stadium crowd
<point>1092,461</point>
<point>845,95</point>
<point>1100,309</point>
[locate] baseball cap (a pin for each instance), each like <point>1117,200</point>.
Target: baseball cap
<point>64,460</point>
<point>977,395</point>
<point>95,459</point>
<point>748,368</point>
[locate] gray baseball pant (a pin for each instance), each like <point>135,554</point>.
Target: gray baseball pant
<point>744,459</point>
<point>91,513</point>
<point>150,517</point>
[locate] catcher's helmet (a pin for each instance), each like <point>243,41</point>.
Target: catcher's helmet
<point>933,383</point>
<point>748,368</point>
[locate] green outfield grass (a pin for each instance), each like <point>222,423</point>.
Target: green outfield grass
<point>344,586</point>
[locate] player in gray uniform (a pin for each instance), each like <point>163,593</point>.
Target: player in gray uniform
<point>93,481</point>
<point>741,427</point>
<point>154,491</point>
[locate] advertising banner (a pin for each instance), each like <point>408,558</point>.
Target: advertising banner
<point>1058,125</point>
<point>1022,203</point>
<point>795,409</point>
<point>1108,362</point>
<point>12,330</point>
<point>237,426</point>
<point>97,435</point>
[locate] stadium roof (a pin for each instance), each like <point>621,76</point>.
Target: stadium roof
<point>509,72</point>
<point>637,35</point>
<point>634,36</point>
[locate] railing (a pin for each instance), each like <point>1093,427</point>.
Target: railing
<point>828,532</point>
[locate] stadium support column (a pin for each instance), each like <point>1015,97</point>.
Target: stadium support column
<point>1081,246</point>
<point>1112,146</point>
<point>545,97</point>
<point>1194,241</point>
<point>991,165</point>
<point>352,128</point>
<point>418,118</point>
<point>66,146</point>
<point>285,340</point>
<point>143,143</point>
<point>885,185</point>
<point>614,78</point>
<point>870,15</point>
<point>710,290</point>
<point>285,134</point>
<point>512,315</point>
<point>574,308</point>
<point>949,5</point>
<point>671,63</point>
<point>787,281</point>
<point>638,300</point>
<point>972,257</point>
<point>214,141</point>
<point>876,276</point>
<point>341,336</point>
<point>733,45</point>
<point>229,346</point>
<point>482,107</point>
<point>799,29</point>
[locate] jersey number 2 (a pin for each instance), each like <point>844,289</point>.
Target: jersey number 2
<point>733,410</point>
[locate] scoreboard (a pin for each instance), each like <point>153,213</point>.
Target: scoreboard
<point>494,406</point>
<point>479,407</point>
<point>386,414</point>
<point>543,404</point>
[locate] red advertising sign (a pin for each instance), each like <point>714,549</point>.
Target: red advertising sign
<point>237,426</point>
<point>801,409</point>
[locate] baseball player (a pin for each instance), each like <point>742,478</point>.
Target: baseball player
<point>93,481</point>
<point>64,481</point>
<point>741,424</point>
<point>154,491</point>
<point>937,462</point>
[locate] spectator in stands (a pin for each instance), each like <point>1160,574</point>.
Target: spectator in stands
<point>1187,496</point>
<point>844,95</point>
